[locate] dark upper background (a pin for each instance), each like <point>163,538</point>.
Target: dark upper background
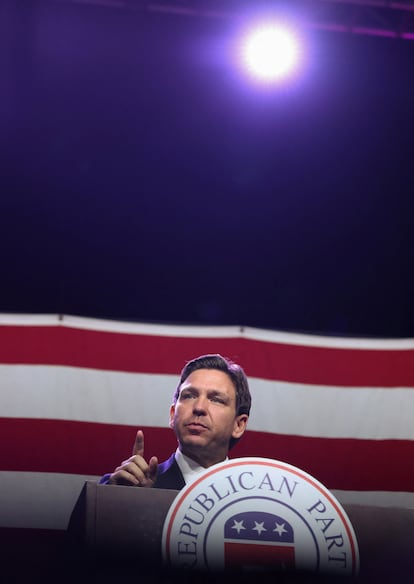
<point>143,178</point>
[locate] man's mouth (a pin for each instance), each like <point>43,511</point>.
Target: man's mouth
<point>196,426</point>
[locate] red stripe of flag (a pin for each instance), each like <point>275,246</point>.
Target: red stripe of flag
<point>51,345</point>
<point>92,449</point>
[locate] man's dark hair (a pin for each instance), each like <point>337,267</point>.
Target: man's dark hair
<point>234,371</point>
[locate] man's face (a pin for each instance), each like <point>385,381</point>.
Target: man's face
<point>204,416</point>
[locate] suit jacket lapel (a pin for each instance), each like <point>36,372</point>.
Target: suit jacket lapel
<point>169,475</point>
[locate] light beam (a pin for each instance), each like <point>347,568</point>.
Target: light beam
<point>270,52</point>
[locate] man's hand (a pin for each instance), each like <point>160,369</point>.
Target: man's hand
<point>136,471</point>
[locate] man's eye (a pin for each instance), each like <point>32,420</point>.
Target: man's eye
<point>217,399</point>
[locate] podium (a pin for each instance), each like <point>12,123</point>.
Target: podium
<point>117,522</point>
<point>110,520</point>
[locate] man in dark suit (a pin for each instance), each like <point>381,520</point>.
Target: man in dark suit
<point>209,414</point>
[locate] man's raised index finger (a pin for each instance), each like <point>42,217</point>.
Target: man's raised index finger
<point>139,444</point>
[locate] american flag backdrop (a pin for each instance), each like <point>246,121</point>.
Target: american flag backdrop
<point>73,392</point>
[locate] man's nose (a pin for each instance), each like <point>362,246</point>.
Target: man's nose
<point>200,406</point>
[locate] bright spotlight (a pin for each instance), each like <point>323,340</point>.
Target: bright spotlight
<point>270,52</point>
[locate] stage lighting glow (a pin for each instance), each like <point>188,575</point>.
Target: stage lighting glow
<point>270,52</point>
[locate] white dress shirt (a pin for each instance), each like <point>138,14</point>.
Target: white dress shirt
<point>189,468</point>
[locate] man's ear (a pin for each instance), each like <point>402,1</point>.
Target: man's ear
<point>240,424</point>
<point>172,412</point>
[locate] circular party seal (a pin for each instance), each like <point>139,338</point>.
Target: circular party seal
<point>258,514</point>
